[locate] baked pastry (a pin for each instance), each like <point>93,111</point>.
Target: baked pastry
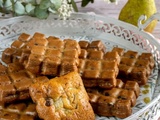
<point>117,101</point>
<point>13,53</point>
<point>101,72</point>
<point>18,111</point>
<point>99,69</point>
<point>14,85</point>
<point>96,45</point>
<point>110,106</point>
<point>62,98</point>
<point>134,66</point>
<point>52,56</point>
<point>44,56</point>
<point>121,94</point>
<point>126,91</point>
<point>3,69</point>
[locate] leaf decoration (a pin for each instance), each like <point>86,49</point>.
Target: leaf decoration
<point>1,3</point>
<point>52,9</point>
<point>41,13</point>
<point>42,8</point>
<point>8,5</point>
<point>56,3</point>
<point>44,4</point>
<point>29,7</point>
<point>74,5</point>
<point>19,8</point>
<point>86,2</point>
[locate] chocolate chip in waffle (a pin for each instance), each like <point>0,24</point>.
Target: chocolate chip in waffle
<point>14,85</point>
<point>96,45</point>
<point>116,101</point>
<point>53,56</point>
<point>18,111</point>
<point>99,69</point>
<point>135,66</point>
<point>13,53</point>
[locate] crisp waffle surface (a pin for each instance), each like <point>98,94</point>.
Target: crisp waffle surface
<point>18,111</point>
<point>13,53</point>
<point>98,68</point>
<point>15,83</point>
<point>42,55</point>
<point>111,78</point>
<point>117,101</point>
<point>53,56</point>
<point>135,66</point>
<point>94,45</point>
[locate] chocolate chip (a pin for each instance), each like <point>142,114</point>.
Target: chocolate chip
<point>49,102</point>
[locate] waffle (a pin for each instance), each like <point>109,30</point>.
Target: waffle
<point>18,111</point>
<point>134,66</point>
<point>62,98</point>
<point>41,55</point>
<point>116,102</point>
<point>14,85</point>
<point>99,69</point>
<point>3,69</point>
<point>111,78</point>
<point>129,90</point>
<point>21,46</point>
<point>96,45</point>
<point>13,53</point>
<point>110,106</point>
<point>52,56</point>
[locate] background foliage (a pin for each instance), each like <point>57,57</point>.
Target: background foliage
<point>42,8</point>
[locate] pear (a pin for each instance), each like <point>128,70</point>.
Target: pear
<point>133,9</point>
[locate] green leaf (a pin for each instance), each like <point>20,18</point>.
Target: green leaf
<point>19,8</point>
<point>8,5</point>
<point>41,13</point>
<point>52,9</point>
<point>29,8</point>
<point>38,2</point>
<point>85,2</point>
<point>30,1</point>
<point>56,3</point>
<point>74,5</point>
<point>1,3</point>
<point>44,4</point>
<point>113,0</point>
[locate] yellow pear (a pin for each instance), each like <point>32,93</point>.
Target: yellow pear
<point>133,9</point>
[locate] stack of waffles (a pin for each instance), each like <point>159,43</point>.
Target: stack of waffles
<point>112,79</point>
<point>18,111</point>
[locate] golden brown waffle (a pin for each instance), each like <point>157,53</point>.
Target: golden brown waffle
<point>41,55</point>
<point>96,45</point>
<point>109,106</point>
<point>134,66</point>
<point>116,101</point>
<point>62,98</point>
<point>18,111</point>
<point>52,56</point>
<point>14,85</point>
<point>129,90</point>
<point>13,53</point>
<point>99,69</point>
<point>3,69</point>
